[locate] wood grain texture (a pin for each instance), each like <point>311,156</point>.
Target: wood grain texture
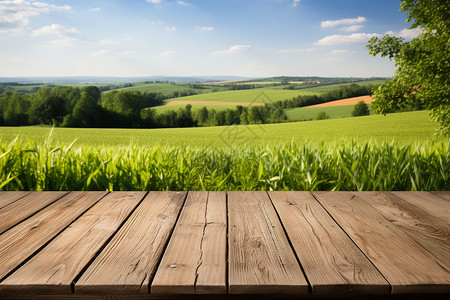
<point>396,255</point>
<point>55,267</point>
<point>332,262</point>
<point>19,243</point>
<point>21,209</point>
<point>260,257</point>
<point>443,194</point>
<point>430,233</point>
<point>129,261</point>
<point>195,259</point>
<point>7,198</point>
<point>432,204</point>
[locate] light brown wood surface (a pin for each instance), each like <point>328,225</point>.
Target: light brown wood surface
<point>330,259</point>
<point>19,243</point>
<point>432,204</point>
<point>55,267</point>
<point>260,257</point>
<point>7,198</point>
<point>430,233</point>
<point>443,195</point>
<point>21,209</point>
<point>195,259</point>
<point>129,261</point>
<point>399,258</point>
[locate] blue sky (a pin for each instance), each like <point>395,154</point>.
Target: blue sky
<point>251,38</point>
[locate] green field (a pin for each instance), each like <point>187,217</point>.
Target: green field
<point>165,108</point>
<point>262,95</point>
<point>310,113</point>
<point>169,88</point>
<point>323,88</point>
<point>403,128</point>
<point>393,152</point>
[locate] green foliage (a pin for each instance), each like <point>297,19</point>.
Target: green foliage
<point>422,78</point>
<point>360,109</point>
<point>347,166</point>
<point>322,116</point>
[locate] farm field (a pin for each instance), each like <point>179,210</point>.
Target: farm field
<point>195,107</point>
<point>262,95</point>
<point>403,128</point>
<point>169,88</point>
<point>310,113</point>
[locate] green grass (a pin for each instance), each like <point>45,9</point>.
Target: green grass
<point>393,152</point>
<point>310,113</point>
<point>168,88</point>
<point>164,108</point>
<point>329,87</point>
<point>292,166</point>
<point>262,95</point>
<point>403,128</point>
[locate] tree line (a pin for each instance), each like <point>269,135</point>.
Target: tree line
<point>88,107</point>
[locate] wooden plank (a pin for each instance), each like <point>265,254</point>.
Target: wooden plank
<point>55,267</point>
<point>432,234</point>
<point>432,204</point>
<point>7,198</point>
<point>401,260</point>
<point>23,208</point>
<point>129,261</point>
<point>195,259</point>
<point>19,243</point>
<point>331,261</point>
<point>443,194</point>
<point>261,260</point>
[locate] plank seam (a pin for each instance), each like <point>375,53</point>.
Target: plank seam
<point>17,200</point>
<point>50,240</point>
<point>167,243</point>
<point>292,247</point>
<point>89,263</point>
<point>62,196</point>
<point>390,285</point>
<point>200,260</point>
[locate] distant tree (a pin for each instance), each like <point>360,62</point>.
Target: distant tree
<point>203,115</point>
<point>47,107</point>
<point>16,113</point>
<point>423,64</point>
<point>322,116</point>
<point>360,109</point>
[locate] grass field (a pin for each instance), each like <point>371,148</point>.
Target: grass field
<point>164,108</point>
<point>403,128</point>
<point>169,88</point>
<point>393,152</point>
<point>329,87</point>
<point>262,95</point>
<point>310,113</point>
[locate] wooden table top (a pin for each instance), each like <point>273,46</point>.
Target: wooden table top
<point>139,244</point>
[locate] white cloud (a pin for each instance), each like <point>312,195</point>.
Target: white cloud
<point>295,3</point>
<point>338,39</point>
<point>154,1</point>
<point>409,33</point>
<point>182,3</point>
<point>114,55</point>
<point>206,28</point>
<point>352,28</point>
<point>298,50</point>
<point>64,42</point>
<point>171,29</point>
<point>237,49</point>
<point>342,51</point>
<point>168,53</point>
<point>108,42</point>
<point>15,15</point>
<point>95,8</point>
<point>56,29</point>
<point>334,23</point>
